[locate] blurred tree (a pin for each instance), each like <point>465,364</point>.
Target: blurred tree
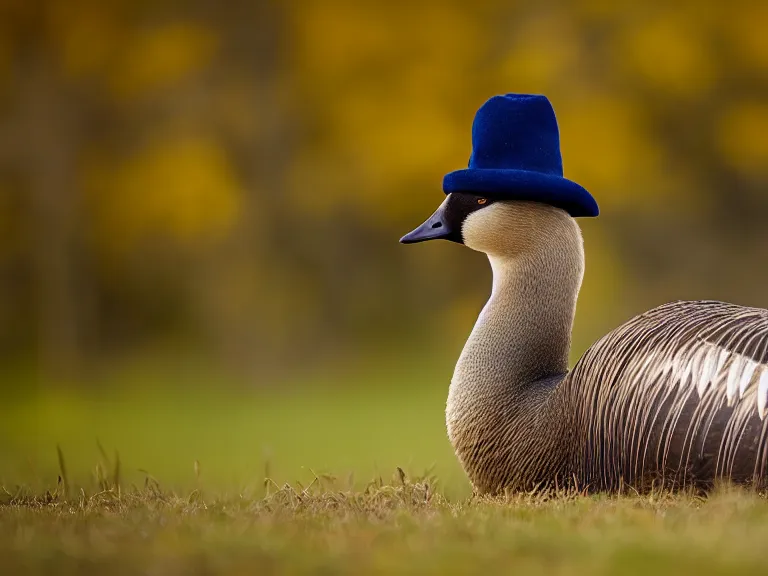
<point>66,61</point>
<point>234,177</point>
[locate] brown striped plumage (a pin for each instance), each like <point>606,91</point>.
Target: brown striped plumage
<point>682,394</point>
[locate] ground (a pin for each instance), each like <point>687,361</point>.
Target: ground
<point>389,529</point>
<point>216,479</point>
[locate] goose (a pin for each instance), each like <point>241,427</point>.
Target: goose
<point>675,397</point>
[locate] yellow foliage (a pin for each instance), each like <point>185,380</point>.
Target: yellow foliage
<point>417,144</point>
<point>86,34</point>
<point>364,106</point>
<point>544,51</point>
<point>160,57</point>
<point>605,147</point>
<point>742,137</point>
<point>335,38</point>
<point>182,188</point>
<point>672,53</point>
<point>598,9</point>
<point>340,39</point>
<point>417,138</point>
<point>383,80</point>
<point>748,34</point>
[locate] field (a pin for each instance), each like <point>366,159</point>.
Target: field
<point>215,479</point>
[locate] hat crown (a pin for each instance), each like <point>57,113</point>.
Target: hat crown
<point>516,132</point>
<point>516,156</point>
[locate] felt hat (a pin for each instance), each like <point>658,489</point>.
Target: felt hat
<point>516,156</point>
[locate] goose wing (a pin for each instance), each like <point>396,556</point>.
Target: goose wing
<point>708,348</point>
<point>687,380</point>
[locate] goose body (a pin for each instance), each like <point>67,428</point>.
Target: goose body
<point>675,397</point>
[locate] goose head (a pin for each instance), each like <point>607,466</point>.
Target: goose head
<point>497,227</point>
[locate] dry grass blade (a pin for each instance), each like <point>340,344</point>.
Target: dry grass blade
<point>386,528</point>
<point>63,480</point>
<point>102,452</point>
<point>116,473</point>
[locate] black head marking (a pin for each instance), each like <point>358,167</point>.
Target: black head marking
<point>447,221</point>
<point>459,206</point>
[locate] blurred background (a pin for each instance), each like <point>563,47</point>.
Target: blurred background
<point>200,205</point>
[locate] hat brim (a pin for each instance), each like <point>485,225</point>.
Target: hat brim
<point>524,185</point>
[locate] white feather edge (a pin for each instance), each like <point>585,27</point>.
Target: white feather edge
<point>746,376</point>
<point>706,365</point>
<point>762,392</point>
<point>732,379</point>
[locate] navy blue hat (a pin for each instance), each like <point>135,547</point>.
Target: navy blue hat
<point>516,155</point>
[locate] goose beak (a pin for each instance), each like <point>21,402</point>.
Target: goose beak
<point>436,227</point>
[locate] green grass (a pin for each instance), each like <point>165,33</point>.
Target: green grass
<point>167,476</point>
<point>162,423</point>
<point>383,529</point>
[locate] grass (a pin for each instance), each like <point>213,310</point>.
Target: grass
<point>164,422</point>
<point>398,527</point>
<point>88,508</point>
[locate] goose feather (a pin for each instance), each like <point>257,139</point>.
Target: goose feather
<point>708,359</point>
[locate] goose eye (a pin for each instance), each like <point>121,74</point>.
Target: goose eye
<point>482,200</point>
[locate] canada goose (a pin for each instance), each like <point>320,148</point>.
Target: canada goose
<point>674,397</point>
